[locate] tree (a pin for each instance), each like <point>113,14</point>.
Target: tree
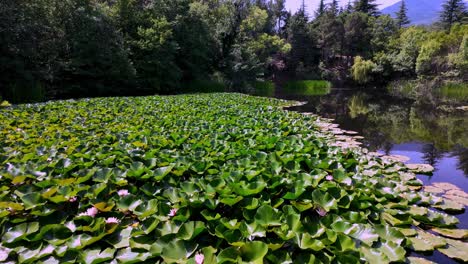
<point>401,16</point>
<point>280,14</point>
<point>453,11</point>
<point>320,10</point>
<point>357,35</point>
<point>367,7</point>
<point>302,42</point>
<point>334,8</point>
<point>362,70</point>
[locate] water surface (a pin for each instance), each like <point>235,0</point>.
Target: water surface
<point>427,131</point>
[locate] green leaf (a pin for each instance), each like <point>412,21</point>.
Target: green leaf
<point>267,216</point>
<point>252,188</point>
<point>128,256</point>
<point>18,232</point>
<point>324,200</point>
<point>97,256</point>
<point>178,250</point>
<point>452,233</point>
<point>456,250</point>
<point>393,251</point>
<point>188,231</point>
<point>253,252</point>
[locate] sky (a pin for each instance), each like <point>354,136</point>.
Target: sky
<point>311,5</point>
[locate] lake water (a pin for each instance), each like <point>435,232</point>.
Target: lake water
<point>432,133</point>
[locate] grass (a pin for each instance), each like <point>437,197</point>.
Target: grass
<point>308,87</point>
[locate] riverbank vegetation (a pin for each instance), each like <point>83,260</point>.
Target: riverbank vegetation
<point>84,48</point>
<point>216,178</point>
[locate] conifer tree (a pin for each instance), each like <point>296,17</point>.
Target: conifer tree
<point>454,11</point>
<point>321,9</point>
<point>401,16</point>
<point>367,7</point>
<point>334,9</point>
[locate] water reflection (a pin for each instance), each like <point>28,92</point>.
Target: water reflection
<point>426,127</point>
<point>386,120</point>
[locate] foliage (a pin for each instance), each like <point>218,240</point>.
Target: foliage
<point>367,7</point>
<point>428,51</point>
<point>362,70</point>
<point>308,87</point>
<point>453,11</point>
<point>169,178</point>
<point>409,43</point>
<point>402,16</point>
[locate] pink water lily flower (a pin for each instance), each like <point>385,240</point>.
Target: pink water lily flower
<point>122,193</point>
<point>90,212</point>
<point>329,178</point>
<point>173,212</point>
<point>321,211</point>
<point>112,220</point>
<point>199,258</point>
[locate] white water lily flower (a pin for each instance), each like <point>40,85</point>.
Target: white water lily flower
<point>199,258</point>
<point>123,193</point>
<point>112,220</point>
<point>70,225</point>
<point>10,167</point>
<point>90,212</point>
<point>329,178</point>
<point>173,212</point>
<point>4,253</point>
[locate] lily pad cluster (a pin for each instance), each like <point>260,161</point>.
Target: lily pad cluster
<point>216,178</point>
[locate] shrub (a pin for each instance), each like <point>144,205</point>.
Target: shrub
<point>362,70</point>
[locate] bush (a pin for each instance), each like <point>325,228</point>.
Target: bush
<point>362,70</point>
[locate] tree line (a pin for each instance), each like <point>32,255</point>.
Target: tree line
<point>85,48</point>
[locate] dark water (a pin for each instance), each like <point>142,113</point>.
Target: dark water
<point>435,133</point>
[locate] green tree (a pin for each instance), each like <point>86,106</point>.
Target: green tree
<point>320,10</point>
<point>362,70</point>
<point>357,34</point>
<point>300,36</point>
<point>454,11</point>
<point>367,7</point>
<point>401,16</point>
<point>407,51</point>
<point>280,15</point>
<point>382,29</point>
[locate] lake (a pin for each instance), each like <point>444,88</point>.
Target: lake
<point>431,131</point>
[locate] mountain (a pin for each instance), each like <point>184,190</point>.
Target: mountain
<point>420,12</point>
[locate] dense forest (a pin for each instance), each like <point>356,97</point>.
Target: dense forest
<point>84,48</point>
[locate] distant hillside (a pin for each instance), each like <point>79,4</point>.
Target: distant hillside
<point>420,12</point>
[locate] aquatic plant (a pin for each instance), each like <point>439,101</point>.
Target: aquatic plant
<point>214,178</point>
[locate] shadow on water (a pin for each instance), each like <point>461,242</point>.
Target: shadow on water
<point>433,130</point>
